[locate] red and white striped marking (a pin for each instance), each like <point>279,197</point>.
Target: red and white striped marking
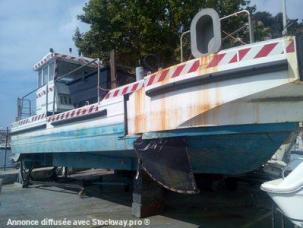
<point>85,110</point>
<point>222,58</point>
<point>44,60</point>
<point>79,60</point>
<point>173,72</point>
<point>31,119</point>
<point>126,89</point>
<point>43,92</point>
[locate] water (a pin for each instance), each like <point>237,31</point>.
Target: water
<point>9,162</point>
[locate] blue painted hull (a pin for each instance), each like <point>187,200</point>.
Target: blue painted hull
<point>97,147</point>
<point>231,149</point>
<point>233,154</point>
<point>104,139</point>
<point>223,150</point>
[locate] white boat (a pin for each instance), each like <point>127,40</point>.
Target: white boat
<point>232,108</point>
<point>226,112</point>
<point>287,193</point>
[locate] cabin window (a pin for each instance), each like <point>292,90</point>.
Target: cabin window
<point>40,78</point>
<point>51,71</point>
<point>65,99</point>
<point>45,75</point>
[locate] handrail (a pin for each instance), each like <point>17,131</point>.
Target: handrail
<point>251,34</point>
<point>62,76</point>
<point>181,43</point>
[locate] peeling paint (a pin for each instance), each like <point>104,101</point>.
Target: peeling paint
<point>221,102</point>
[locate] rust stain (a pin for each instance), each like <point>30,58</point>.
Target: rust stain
<point>178,119</point>
<point>205,60</point>
<point>139,115</point>
<point>171,113</point>
<point>162,75</point>
<point>163,113</point>
<point>203,107</point>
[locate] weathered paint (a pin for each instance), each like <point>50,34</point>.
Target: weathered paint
<point>226,149</point>
<point>92,139</point>
<point>231,126</point>
<point>222,102</point>
<point>233,154</point>
<point>232,149</point>
<point>94,160</point>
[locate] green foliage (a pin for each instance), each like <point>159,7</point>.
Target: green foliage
<point>269,26</point>
<point>138,28</point>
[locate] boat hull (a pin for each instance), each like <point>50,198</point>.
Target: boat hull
<point>78,147</point>
<point>291,205</point>
<point>228,150</point>
<point>251,91</point>
<point>234,109</point>
<point>231,149</point>
<point>287,193</point>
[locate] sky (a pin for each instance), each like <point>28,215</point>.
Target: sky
<point>29,28</point>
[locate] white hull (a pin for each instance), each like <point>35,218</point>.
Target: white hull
<point>287,193</point>
<point>291,205</point>
<point>251,91</point>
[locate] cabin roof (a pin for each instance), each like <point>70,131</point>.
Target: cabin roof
<point>64,57</point>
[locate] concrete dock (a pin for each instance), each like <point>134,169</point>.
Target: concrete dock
<point>245,207</point>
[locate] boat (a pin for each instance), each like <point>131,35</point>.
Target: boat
<point>223,113</point>
<point>287,193</point>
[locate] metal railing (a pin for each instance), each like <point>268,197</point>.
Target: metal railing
<point>21,102</point>
<point>228,35</point>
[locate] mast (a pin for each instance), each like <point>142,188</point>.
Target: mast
<point>284,12</point>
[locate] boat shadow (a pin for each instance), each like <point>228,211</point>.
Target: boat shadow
<point>245,206</point>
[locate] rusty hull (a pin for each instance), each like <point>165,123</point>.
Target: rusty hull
<point>268,97</point>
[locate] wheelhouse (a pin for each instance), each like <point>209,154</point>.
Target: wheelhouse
<point>66,82</point>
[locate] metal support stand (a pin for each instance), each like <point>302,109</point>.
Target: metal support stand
<point>25,174</point>
<point>6,148</point>
<point>147,196</point>
<point>79,187</point>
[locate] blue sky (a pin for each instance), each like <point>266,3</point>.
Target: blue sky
<point>29,28</point>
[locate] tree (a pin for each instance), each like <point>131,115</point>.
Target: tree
<point>271,26</point>
<point>139,28</point>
